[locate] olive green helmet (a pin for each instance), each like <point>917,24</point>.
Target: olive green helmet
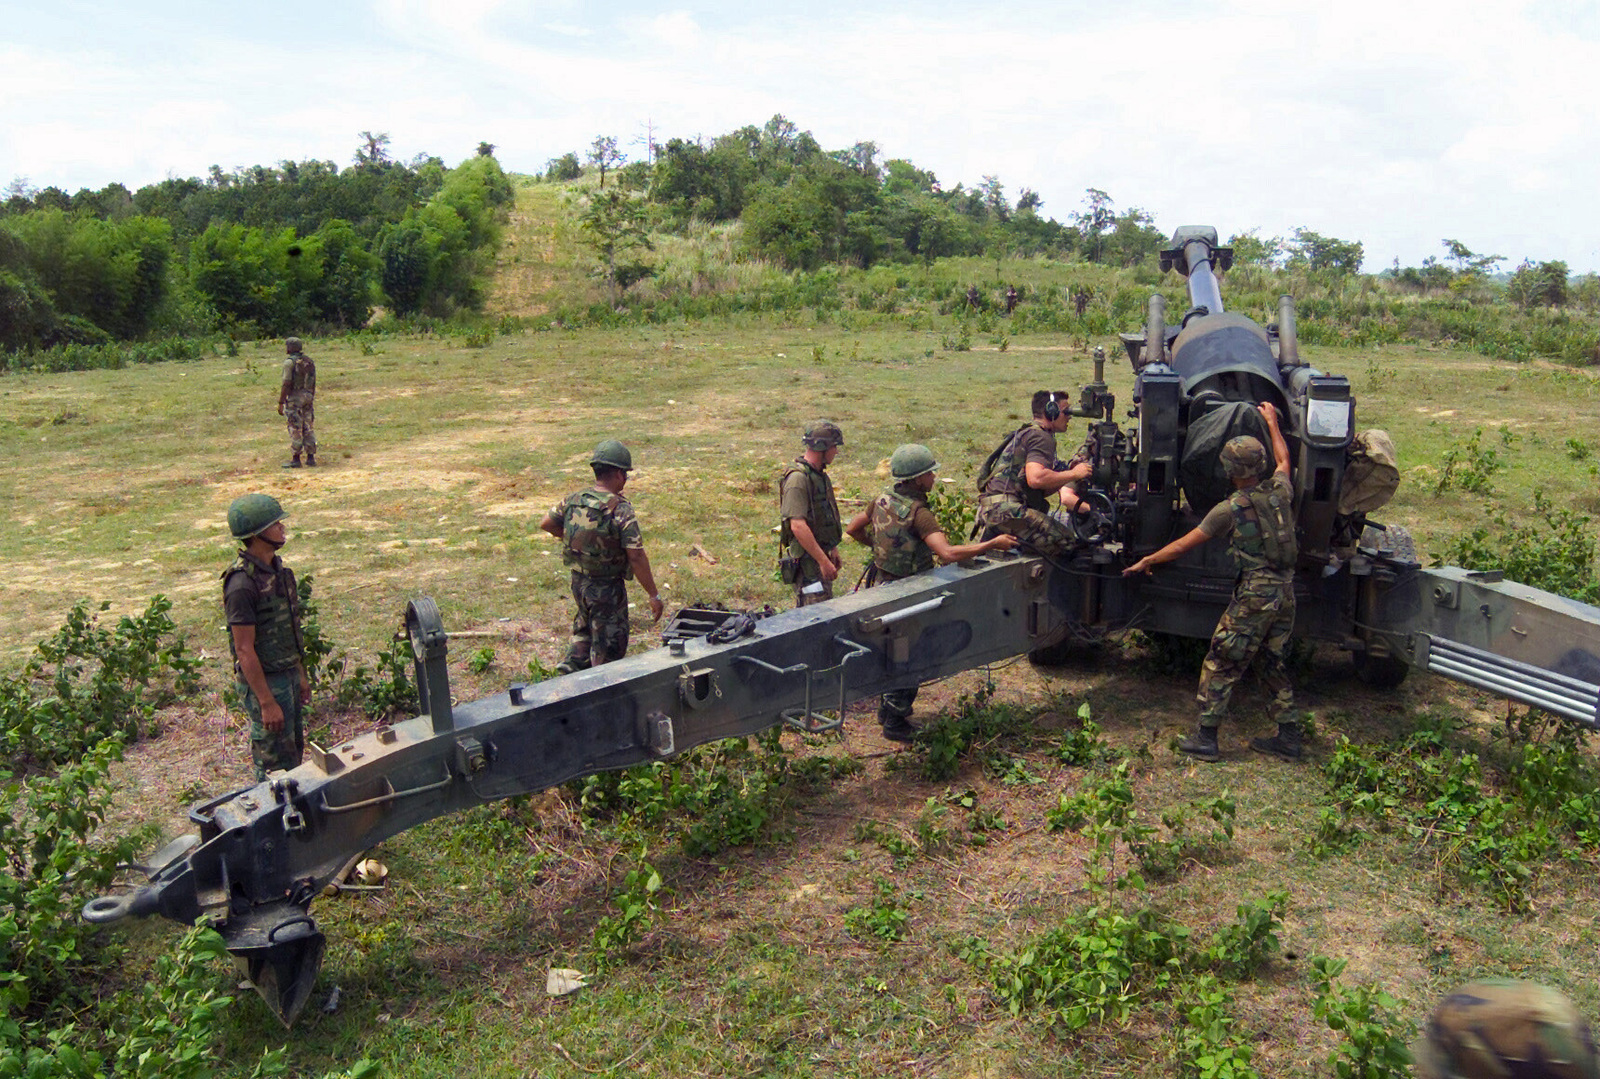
<point>293,344</point>
<point>910,461</point>
<point>1244,457</point>
<point>1498,1027</point>
<point>613,453</point>
<point>252,514</point>
<point>820,434</point>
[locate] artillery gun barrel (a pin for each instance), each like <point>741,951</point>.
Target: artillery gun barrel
<point>1155,330</point>
<point>1204,288</point>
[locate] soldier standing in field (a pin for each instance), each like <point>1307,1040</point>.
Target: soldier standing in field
<point>295,402</point>
<point>1011,298</point>
<point>262,604</point>
<point>906,538</point>
<point>1258,522</point>
<point>1015,483</point>
<point>811,530</point>
<point>601,542</point>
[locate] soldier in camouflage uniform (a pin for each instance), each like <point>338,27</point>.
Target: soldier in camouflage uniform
<point>295,402</point>
<point>1498,1028</point>
<point>905,538</point>
<point>1258,521</point>
<point>811,529</point>
<point>601,542</point>
<point>1015,483</point>
<point>262,603</point>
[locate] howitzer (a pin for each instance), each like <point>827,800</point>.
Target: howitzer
<point>263,853</point>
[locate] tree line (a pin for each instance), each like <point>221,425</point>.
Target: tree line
<point>258,250</point>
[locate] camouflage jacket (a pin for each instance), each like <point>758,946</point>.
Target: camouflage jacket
<point>597,527</point>
<point>275,599</point>
<point>897,549</point>
<point>299,375</point>
<point>1263,527</point>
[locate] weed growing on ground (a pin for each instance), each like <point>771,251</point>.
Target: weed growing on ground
<point>1433,792</point>
<point>101,683</point>
<point>481,660</point>
<point>1470,466</point>
<point>1376,1036</point>
<point>886,919</point>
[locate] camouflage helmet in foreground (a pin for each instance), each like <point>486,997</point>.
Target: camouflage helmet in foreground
<point>820,434</point>
<point>613,453</point>
<point>1497,1027</point>
<point>1244,457</point>
<point>252,514</point>
<point>293,344</point>
<point>910,461</point>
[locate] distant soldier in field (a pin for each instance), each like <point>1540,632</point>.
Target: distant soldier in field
<point>810,530</point>
<point>1080,301</point>
<point>600,540</point>
<point>1258,522</point>
<point>295,402</point>
<point>262,604</point>
<point>1011,298</point>
<point>906,538</point>
<point>1497,1028</point>
<point>974,300</point>
<point>1016,482</point>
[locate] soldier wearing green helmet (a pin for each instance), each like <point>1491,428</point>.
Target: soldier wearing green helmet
<point>1258,522</point>
<point>295,402</point>
<point>601,543</point>
<point>1497,1027</point>
<point>261,602</point>
<point>906,538</point>
<point>810,531</point>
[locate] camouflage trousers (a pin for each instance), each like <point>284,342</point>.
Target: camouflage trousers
<point>1256,626</point>
<point>280,750</point>
<point>600,628</point>
<point>302,419</point>
<point>894,707</point>
<point>1040,532</point>
<point>805,599</point>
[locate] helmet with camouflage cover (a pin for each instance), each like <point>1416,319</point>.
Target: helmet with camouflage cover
<point>293,344</point>
<point>613,453</point>
<point>910,461</point>
<point>1499,1027</point>
<point>1244,457</point>
<point>252,514</point>
<point>820,434</point>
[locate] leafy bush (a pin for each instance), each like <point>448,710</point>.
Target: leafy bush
<point>1551,548</point>
<point>98,682</point>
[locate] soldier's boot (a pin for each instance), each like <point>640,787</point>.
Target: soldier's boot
<point>572,664</point>
<point>293,462</point>
<point>1285,744</point>
<point>1203,746</point>
<point>897,728</point>
<point>311,460</point>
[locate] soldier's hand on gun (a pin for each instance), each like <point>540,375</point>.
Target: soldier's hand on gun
<point>1004,542</point>
<point>656,607</point>
<point>1141,566</point>
<point>1269,411</point>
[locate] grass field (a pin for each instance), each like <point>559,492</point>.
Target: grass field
<point>438,459</point>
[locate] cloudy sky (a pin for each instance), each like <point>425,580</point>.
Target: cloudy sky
<point>1394,122</point>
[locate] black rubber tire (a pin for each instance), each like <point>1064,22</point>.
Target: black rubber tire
<point>1380,672</point>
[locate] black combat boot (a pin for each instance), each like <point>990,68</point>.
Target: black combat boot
<point>897,729</point>
<point>1203,746</point>
<point>293,462</point>
<point>1285,744</point>
<point>311,460</point>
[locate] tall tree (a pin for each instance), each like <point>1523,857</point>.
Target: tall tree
<point>615,225</point>
<point>374,148</point>
<point>1095,220</point>
<point>604,155</point>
